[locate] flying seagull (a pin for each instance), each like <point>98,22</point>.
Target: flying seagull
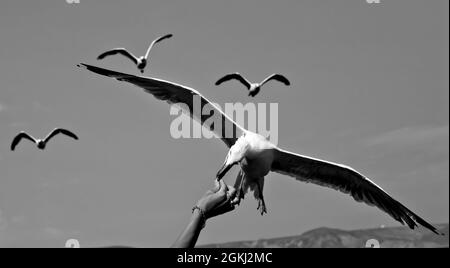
<point>257,156</point>
<point>41,144</point>
<point>253,88</point>
<point>141,62</point>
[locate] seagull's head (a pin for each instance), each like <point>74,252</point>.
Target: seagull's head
<point>254,90</point>
<point>142,62</point>
<point>41,144</point>
<point>235,155</point>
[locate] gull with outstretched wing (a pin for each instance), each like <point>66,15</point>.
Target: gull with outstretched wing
<point>257,156</point>
<point>141,62</point>
<point>41,143</point>
<point>253,88</point>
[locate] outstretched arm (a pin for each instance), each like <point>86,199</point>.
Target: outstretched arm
<point>213,203</point>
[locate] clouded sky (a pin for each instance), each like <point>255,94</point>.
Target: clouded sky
<point>369,89</point>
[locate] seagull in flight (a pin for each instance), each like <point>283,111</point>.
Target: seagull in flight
<point>141,62</point>
<point>41,144</point>
<point>257,156</point>
<point>253,88</point>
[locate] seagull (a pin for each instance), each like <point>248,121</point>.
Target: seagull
<point>253,88</point>
<point>257,156</point>
<point>141,62</point>
<point>41,144</point>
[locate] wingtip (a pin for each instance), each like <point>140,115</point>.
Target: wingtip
<point>82,65</point>
<point>436,231</point>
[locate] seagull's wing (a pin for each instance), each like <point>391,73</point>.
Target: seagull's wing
<point>19,137</point>
<point>57,131</point>
<point>173,93</point>
<point>121,51</point>
<point>157,40</point>
<point>277,77</point>
<point>346,180</point>
<point>236,76</point>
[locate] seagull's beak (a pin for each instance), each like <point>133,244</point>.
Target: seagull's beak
<point>234,156</point>
<point>224,169</point>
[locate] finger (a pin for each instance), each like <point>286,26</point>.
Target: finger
<point>227,207</point>
<point>223,188</point>
<point>216,186</point>
<point>223,185</point>
<point>220,195</point>
<point>236,201</point>
<point>231,194</point>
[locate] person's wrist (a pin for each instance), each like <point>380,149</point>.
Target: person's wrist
<point>199,214</point>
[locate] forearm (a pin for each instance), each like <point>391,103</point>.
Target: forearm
<point>189,236</point>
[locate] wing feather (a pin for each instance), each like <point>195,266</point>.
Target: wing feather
<point>19,137</point>
<point>277,77</point>
<point>173,93</point>
<point>157,40</point>
<point>57,131</point>
<point>346,180</point>
<point>236,76</point>
<point>121,51</point>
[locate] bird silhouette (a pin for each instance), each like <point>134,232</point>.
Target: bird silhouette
<point>141,62</point>
<point>253,88</point>
<point>41,143</point>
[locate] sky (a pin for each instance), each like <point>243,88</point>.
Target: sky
<point>369,90</point>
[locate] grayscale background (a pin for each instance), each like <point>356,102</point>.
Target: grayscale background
<point>370,89</point>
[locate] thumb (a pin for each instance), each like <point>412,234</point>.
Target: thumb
<point>216,186</point>
<point>223,186</point>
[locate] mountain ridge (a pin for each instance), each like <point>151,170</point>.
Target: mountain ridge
<point>325,237</point>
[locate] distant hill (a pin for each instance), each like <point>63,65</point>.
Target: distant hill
<point>388,237</point>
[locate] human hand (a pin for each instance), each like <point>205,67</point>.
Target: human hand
<point>218,200</point>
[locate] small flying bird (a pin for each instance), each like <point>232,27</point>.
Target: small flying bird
<point>253,88</point>
<point>141,62</point>
<point>41,144</point>
<point>257,156</point>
